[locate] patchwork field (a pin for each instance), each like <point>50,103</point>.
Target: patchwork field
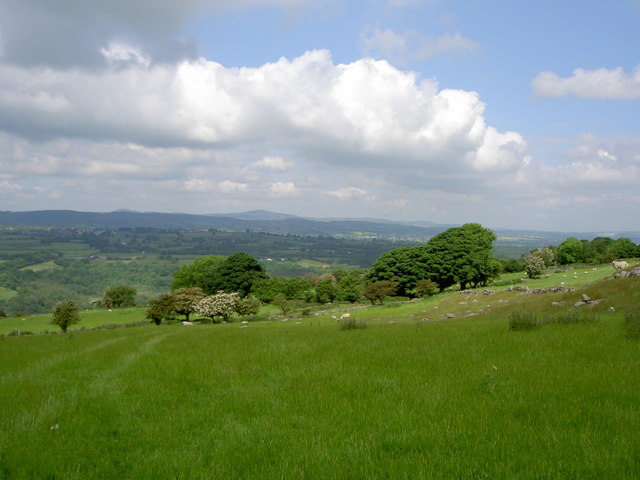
<point>404,397</point>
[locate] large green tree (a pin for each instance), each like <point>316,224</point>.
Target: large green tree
<point>237,273</point>
<point>194,274</point>
<point>119,296</point>
<point>570,251</point>
<point>405,266</point>
<point>457,255</point>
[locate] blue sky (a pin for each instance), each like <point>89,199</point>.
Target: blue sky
<point>511,114</point>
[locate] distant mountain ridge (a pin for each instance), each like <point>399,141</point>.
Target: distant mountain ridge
<point>278,223</point>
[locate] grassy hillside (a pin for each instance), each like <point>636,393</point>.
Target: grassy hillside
<point>403,398</point>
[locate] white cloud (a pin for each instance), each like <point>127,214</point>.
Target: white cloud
<point>365,109</point>
<point>198,185</point>
<point>596,84</point>
<point>229,186</point>
<point>274,164</point>
<point>348,193</point>
<point>283,190</point>
<point>122,53</point>
<point>411,45</point>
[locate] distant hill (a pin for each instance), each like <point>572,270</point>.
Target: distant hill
<point>283,224</point>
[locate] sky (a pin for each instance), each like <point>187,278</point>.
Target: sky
<point>520,115</point>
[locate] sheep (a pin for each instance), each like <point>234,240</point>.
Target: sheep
<point>621,265</point>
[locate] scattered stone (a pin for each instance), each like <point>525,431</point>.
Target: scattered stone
<point>518,288</point>
<point>391,322</point>
<point>558,289</point>
<point>586,298</point>
<point>488,292</point>
<point>462,303</point>
<point>595,302</point>
<point>449,315</point>
<point>579,303</point>
<point>556,304</point>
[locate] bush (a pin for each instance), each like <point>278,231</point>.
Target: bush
<point>523,321</point>
<point>632,324</point>
<point>350,324</point>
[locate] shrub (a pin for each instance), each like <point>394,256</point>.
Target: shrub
<point>523,321</point>
<point>350,323</point>
<point>632,324</point>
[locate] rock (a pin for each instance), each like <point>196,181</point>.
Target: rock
<point>449,315</point>
<point>556,304</point>
<point>518,288</point>
<point>586,298</point>
<point>579,303</point>
<point>595,302</point>
<point>488,292</point>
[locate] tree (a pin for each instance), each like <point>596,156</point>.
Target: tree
<point>194,274</point>
<point>248,306</point>
<point>326,289</point>
<point>570,251</point>
<point>534,264</point>
<point>162,308</point>
<point>349,287</point>
<point>119,296</point>
<point>65,314</point>
<point>425,287</point>
<point>405,266</point>
<point>280,301</point>
<point>221,304</point>
<point>377,291</point>
<point>462,255</point>
<point>237,273</point>
<point>623,248</point>
<point>186,299</point>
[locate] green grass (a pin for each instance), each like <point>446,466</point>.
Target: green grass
<point>459,398</point>
<point>39,267</point>
<point>89,319</point>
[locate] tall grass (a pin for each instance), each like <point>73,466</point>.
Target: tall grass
<point>451,399</point>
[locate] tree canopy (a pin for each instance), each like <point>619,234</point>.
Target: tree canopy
<point>65,314</point>
<point>237,273</point>
<point>457,255</point>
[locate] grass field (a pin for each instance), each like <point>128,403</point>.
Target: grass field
<point>402,398</point>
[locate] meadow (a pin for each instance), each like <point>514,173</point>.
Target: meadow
<point>412,395</point>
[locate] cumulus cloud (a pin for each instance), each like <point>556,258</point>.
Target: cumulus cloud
<point>411,45</point>
<point>273,164</point>
<point>597,84</point>
<point>283,190</point>
<point>348,193</point>
<point>366,110</point>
